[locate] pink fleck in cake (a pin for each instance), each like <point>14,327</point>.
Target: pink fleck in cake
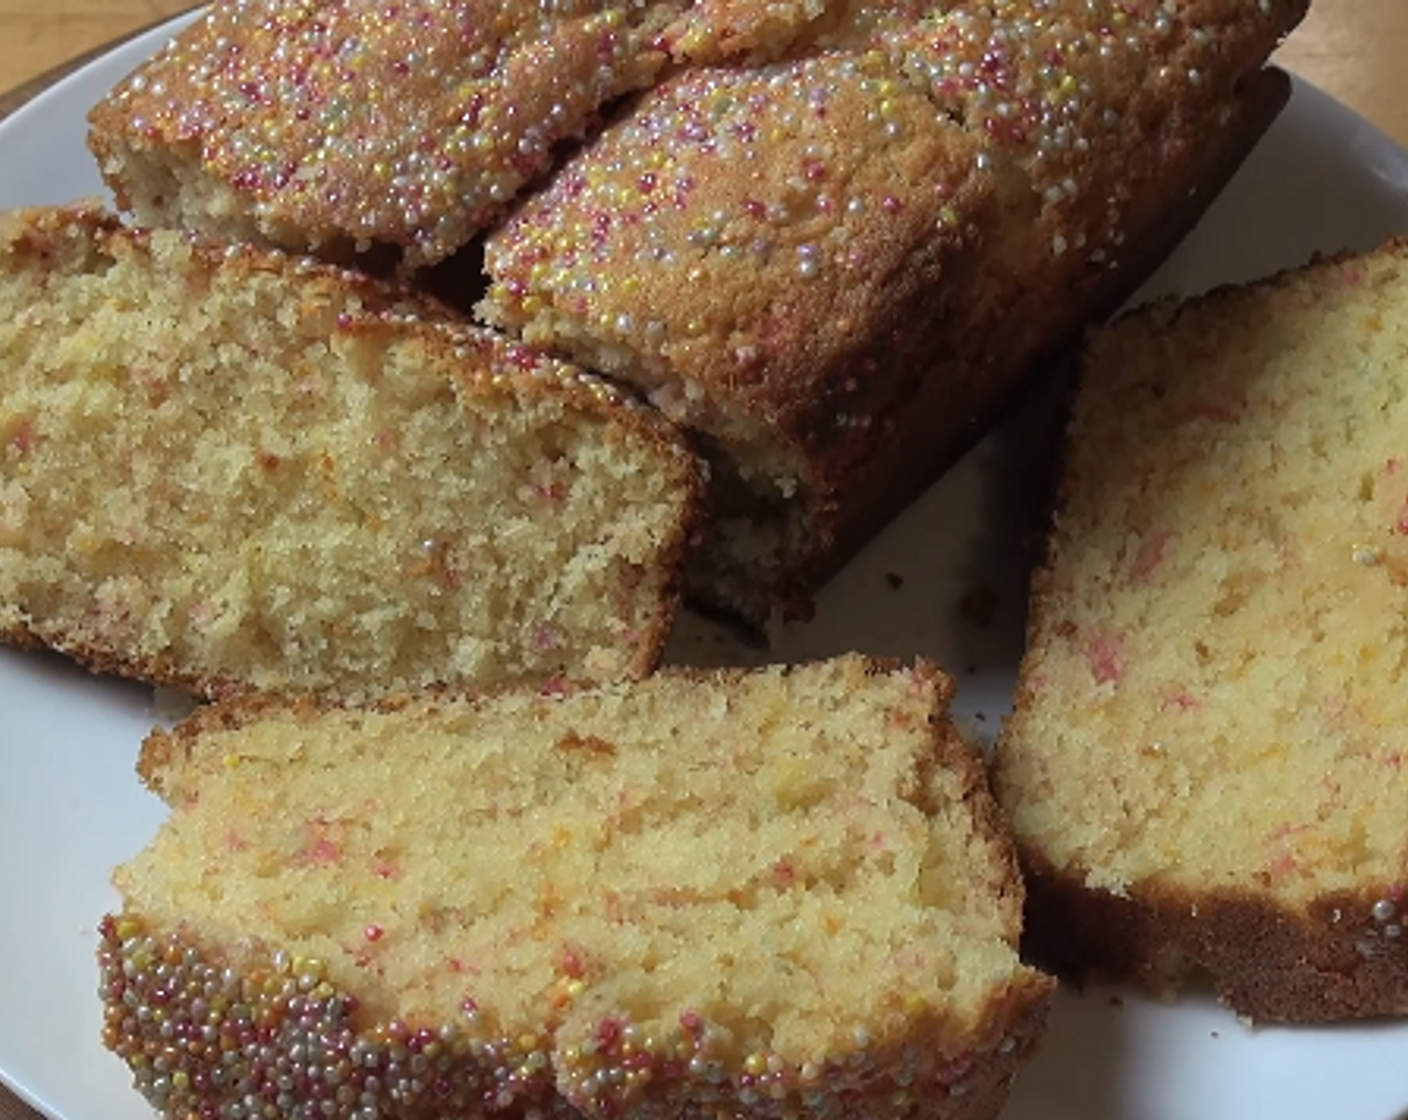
<point>838,266</point>
<point>775,893</point>
<point>1205,770</point>
<point>225,468</point>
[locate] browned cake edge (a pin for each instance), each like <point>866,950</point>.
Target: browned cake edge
<point>1345,956</point>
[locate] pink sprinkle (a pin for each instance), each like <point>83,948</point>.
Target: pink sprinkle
<point>323,852</point>
<point>783,873</point>
<point>23,439</point>
<point>1183,700</point>
<point>373,933</point>
<point>1285,831</point>
<point>570,962</point>
<point>1149,557</point>
<point>608,1031</point>
<point>1353,275</point>
<point>551,494</point>
<point>1106,658</point>
<point>1394,892</point>
<point>556,685</point>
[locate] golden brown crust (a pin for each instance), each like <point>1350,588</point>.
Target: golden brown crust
<point>1344,956</point>
<point>84,232</point>
<point>837,341</point>
<point>389,131</point>
<point>897,470</point>
<point>339,126</point>
<point>168,747</point>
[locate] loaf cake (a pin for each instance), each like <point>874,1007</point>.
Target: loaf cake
<point>752,893</point>
<point>226,468</point>
<point>832,238</point>
<point>838,266</point>
<point>348,127</point>
<point>1205,769</point>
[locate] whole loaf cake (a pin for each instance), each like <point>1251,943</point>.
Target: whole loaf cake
<point>227,468</point>
<point>1205,770</point>
<point>833,239</point>
<point>776,893</point>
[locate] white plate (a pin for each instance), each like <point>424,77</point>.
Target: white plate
<point>70,805</point>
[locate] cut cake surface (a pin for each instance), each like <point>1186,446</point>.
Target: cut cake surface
<point>783,892</point>
<point>1205,770</point>
<point>226,468</point>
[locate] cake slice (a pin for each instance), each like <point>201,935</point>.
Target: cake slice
<point>1205,769</point>
<point>222,468</point>
<point>779,892</point>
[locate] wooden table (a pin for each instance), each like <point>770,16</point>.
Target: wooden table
<point>1353,49</point>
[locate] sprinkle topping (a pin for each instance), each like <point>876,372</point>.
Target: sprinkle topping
<point>274,1037</point>
<point>410,122</point>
